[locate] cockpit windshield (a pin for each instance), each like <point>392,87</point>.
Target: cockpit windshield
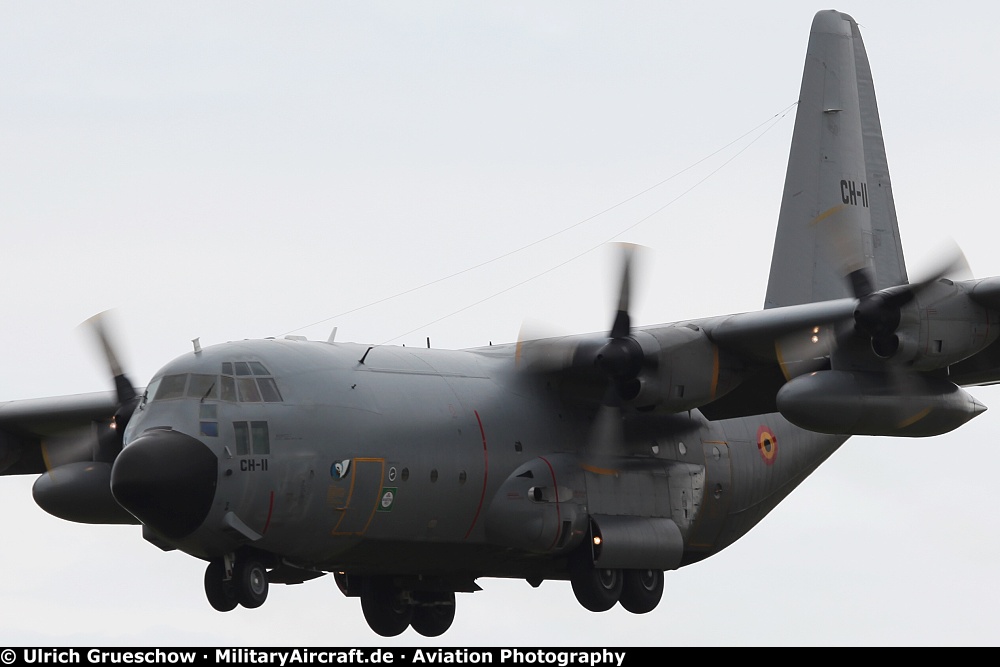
<point>240,381</point>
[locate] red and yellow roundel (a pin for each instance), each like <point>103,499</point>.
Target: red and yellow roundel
<point>767,444</point>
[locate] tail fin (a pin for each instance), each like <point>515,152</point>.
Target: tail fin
<point>837,212</point>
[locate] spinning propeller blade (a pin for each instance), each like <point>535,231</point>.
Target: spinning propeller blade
<point>620,359</point>
<point>109,444</point>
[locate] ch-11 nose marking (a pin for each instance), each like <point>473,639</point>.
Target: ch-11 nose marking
<point>253,465</point>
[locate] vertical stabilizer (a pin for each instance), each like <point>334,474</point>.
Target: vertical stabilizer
<point>837,213</point>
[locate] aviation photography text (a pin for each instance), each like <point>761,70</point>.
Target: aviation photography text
<point>311,656</point>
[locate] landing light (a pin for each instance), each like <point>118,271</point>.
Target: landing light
<point>597,540</point>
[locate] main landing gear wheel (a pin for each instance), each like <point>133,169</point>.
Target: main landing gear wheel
<point>434,619</point>
<point>250,580</point>
<point>387,611</point>
<point>221,593</point>
<point>641,590</point>
<point>597,589</point>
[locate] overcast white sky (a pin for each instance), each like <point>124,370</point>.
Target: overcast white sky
<point>232,170</point>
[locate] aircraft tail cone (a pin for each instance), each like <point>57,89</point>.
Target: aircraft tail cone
<point>977,407</point>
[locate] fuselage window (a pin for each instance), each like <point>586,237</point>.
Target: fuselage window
<point>252,438</point>
<point>242,438</point>
<point>208,414</point>
<point>259,438</point>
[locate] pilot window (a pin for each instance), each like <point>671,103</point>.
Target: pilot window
<point>228,388</point>
<point>241,381</point>
<point>203,386</point>
<point>171,386</point>
<point>248,382</point>
<point>248,390</point>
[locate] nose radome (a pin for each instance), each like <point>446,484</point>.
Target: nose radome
<point>167,480</point>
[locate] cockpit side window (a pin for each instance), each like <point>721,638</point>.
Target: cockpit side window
<point>171,386</point>
<point>150,392</point>
<point>269,390</point>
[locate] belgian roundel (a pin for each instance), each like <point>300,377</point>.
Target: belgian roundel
<point>767,444</point>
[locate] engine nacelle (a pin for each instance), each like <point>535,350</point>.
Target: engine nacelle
<point>690,370</point>
<point>80,492</point>
<point>854,403</point>
<point>947,327</point>
<point>672,368</point>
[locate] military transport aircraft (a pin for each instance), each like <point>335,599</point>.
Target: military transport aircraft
<point>603,459</point>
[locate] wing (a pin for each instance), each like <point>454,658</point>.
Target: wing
<point>65,440</point>
<point>39,434</point>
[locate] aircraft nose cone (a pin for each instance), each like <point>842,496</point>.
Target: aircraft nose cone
<point>167,480</point>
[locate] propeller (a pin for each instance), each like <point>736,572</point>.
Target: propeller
<point>620,359</point>
<point>110,440</point>
<point>617,355</point>
<point>879,312</point>
<point>76,486</point>
<point>605,371</point>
